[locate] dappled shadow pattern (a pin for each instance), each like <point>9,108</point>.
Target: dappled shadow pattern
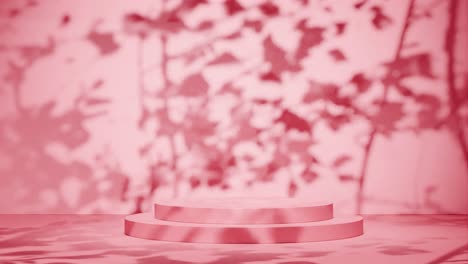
<point>98,239</point>
<point>216,89</point>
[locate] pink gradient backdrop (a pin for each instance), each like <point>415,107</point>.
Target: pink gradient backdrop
<point>108,105</point>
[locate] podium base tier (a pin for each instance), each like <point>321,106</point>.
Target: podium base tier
<point>145,226</point>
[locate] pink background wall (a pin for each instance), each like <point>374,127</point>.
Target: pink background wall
<point>108,105</point>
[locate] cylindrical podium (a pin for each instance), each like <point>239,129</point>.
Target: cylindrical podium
<point>242,220</point>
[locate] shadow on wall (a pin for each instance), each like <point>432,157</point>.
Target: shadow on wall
<point>105,108</point>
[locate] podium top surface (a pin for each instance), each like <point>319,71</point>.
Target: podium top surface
<point>243,203</point>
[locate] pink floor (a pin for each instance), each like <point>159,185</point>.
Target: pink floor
<point>100,239</point>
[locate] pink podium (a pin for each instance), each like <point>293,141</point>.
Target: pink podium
<point>242,221</point>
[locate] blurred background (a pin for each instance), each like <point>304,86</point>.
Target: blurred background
<point>106,106</point>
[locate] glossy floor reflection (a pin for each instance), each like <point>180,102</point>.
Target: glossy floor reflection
<point>100,239</point>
